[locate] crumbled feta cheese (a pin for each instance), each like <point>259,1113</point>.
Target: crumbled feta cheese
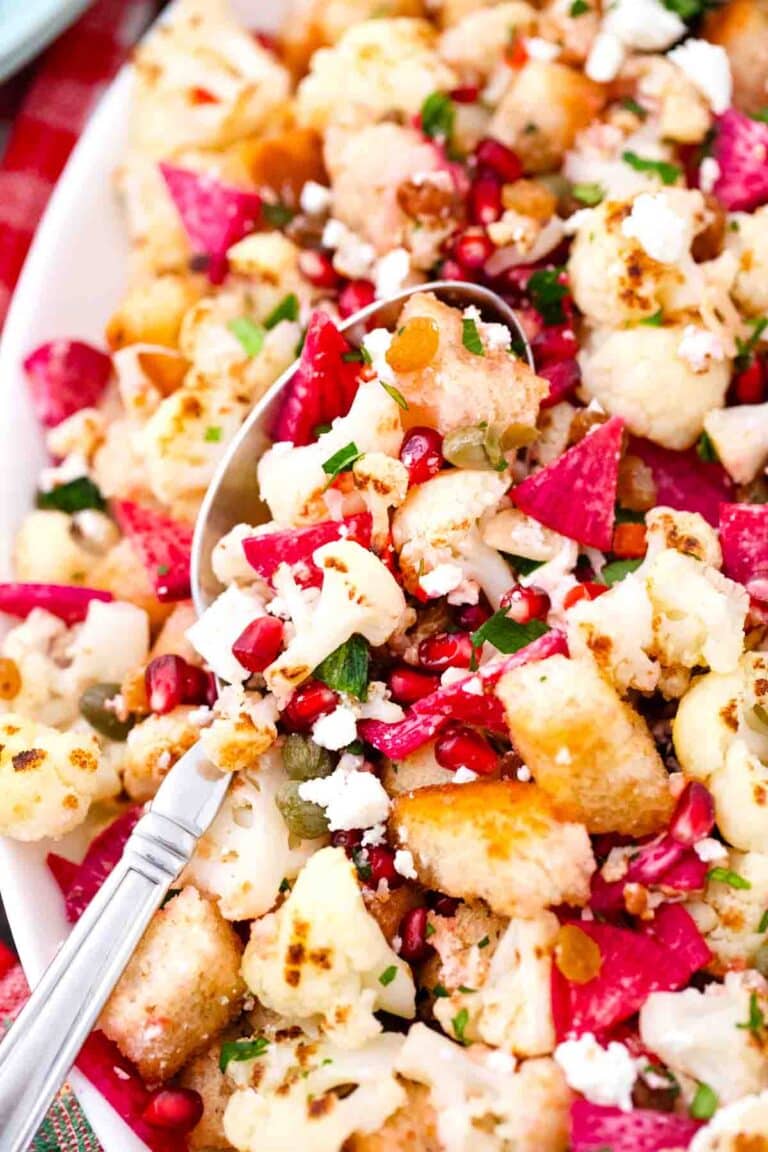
<point>441,580</point>
<point>699,347</point>
<point>214,633</point>
<point>644,25</point>
<point>353,257</point>
<point>391,272</point>
<point>464,775</point>
<point>404,864</point>
<point>537,48</point>
<point>602,1075</point>
<point>373,837</point>
<point>709,173</point>
<point>351,799</point>
<point>605,58</point>
<point>335,730</point>
<point>710,849</point>
<point>660,231</point>
<point>524,774</point>
<point>708,68</point>
<point>73,467</point>
<point>379,705</point>
<point>376,344</point>
<point>315,198</point>
<point>452,675</point>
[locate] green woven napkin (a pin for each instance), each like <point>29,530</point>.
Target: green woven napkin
<point>65,1128</point>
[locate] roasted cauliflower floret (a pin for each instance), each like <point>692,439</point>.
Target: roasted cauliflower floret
<point>686,532</point>
<point>412,1126</point>
<point>320,956</point>
<point>499,841</point>
<point>271,262</point>
<point>475,45</point>
<point>180,988</point>
<point>48,779</point>
<point>243,728</point>
<point>46,550</point>
<point>153,747</point>
<point>707,722</point>
<point>740,791</point>
<point>585,747</point>
<point>740,437</point>
<point>382,66</point>
<point>747,239</point>
<point>730,918</point>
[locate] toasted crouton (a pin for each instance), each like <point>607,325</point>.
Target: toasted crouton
<point>418,770</point>
<point>741,27</point>
<point>413,1128</point>
<point>586,747</point>
<point>181,987</point>
<point>203,1075</point>
<point>151,312</point>
<point>495,840</point>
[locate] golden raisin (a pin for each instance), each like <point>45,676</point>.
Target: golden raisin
<point>584,420</point>
<point>529,198</point>
<point>708,244</point>
<point>414,346</point>
<point>10,679</point>
<point>637,487</point>
<point>576,954</point>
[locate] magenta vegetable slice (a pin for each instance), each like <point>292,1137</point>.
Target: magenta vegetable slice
<point>471,700</point>
<point>102,856</point>
<point>596,1128</point>
<point>265,551</point>
<point>576,494</point>
<point>683,480</point>
<point>323,386</point>
<point>163,544</point>
<point>744,540</point>
<point>64,376</point>
<point>215,215</point>
<point>675,929</point>
<point>67,601</point>
<point>562,377</point>
<point>741,151</point>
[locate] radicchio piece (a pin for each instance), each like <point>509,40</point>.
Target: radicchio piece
<point>265,551</point>
<point>683,480</point>
<point>741,151</point>
<point>323,386</point>
<point>67,601</point>
<point>744,540</point>
<point>64,376</point>
<point>597,1128</point>
<point>163,544</point>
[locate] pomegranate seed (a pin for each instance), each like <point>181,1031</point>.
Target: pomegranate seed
<point>355,295</point>
<point>444,905</point>
<point>259,644</point>
<point>180,1109</point>
<point>502,161</point>
<point>470,617</point>
<point>557,342</point>
<point>310,701</point>
<point>586,591</point>
<point>694,814</point>
<point>316,267</point>
<point>653,860</point>
<point>407,685</point>
<point>562,377</point>
<point>452,270</point>
<point>381,861</point>
<point>422,454</point>
<point>445,650</point>
<point>749,385</point>
<point>199,686</point>
<point>526,604</point>
<point>348,839</point>
<point>466,94</point>
<point>461,747</point>
<point>485,199</point>
<point>166,679</point>
<point>472,248</point>
<point>413,933</point>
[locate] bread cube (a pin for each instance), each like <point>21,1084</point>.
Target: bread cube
<point>151,312</point>
<point>181,987</point>
<point>203,1075</point>
<point>418,770</point>
<point>741,27</point>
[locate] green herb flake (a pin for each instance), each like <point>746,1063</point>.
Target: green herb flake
<point>589,194</point>
<point>706,450</point>
<point>287,309</point>
<point>667,173</point>
<point>388,975</point>
<point>654,321</point>
<point>241,1050</point>
<point>726,876</point>
<point>617,570</point>
<point>507,635</point>
<point>761,115</point>
<point>686,9</point>
<point>346,669</point>
<point>522,565</point>
<point>429,931</point>
<point>704,1103</point>
<point>484,942</point>
<point>466,991</point>
<point>276,215</point>
<point>355,356</point>
<point>212,434</point>
<point>74,496</point>
<point>547,294</point>
<point>285,885</point>
<point>162,569</point>
<point>438,113</point>
<point>631,105</point>
<point>763,925</point>
<point>342,460</point>
<point>470,337</point>
<point>459,1024</point>
<point>360,861</point>
<point>249,333</point>
<point>745,348</point>
<point>320,430</point>
<point>579,8</point>
<point>440,992</point>
<point>396,395</point>
<point>756,1020</point>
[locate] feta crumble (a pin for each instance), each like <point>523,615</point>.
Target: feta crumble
<point>376,344</point>
<point>351,799</point>
<point>602,1075</point>
<point>710,849</point>
<point>464,775</point>
<point>335,730</point>
<point>441,580</point>
<point>353,257</point>
<point>660,231</point>
<point>538,48</point>
<point>391,272</point>
<point>404,864</point>
<point>708,68</point>
<point>699,347</point>
<point>709,173</point>
<point>315,198</point>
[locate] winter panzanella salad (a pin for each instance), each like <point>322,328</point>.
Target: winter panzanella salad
<point>492,874</point>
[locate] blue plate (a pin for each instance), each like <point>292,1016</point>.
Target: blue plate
<point>27,26</point>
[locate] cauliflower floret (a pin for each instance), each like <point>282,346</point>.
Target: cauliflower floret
<point>543,108</point>
<point>359,595</point>
<point>216,630</point>
<point>482,1103</point>
<point>740,791</point>
<point>740,437</point>
<point>496,840</point>
<point>245,855</point>
<point>510,530</point>
<point>730,918</point>
<point>320,957</point>
<point>617,629</point>
<point>118,467</point>
<point>145,374</point>
<point>585,747</point>
<point>48,778</point>
<point>271,262</point>
<point>37,647</point>
<point>243,728</point>
<point>743,1124</point>
<point>152,748</point>
<point>112,640</point>
<point>298,1102</point>
<point>622,368</point>
<point>228,559</point>
<point>81,434</point>
<point>686,532</point>
<point>459,388</point>
<point>682,111</point>
<point>475,45</point>
<point>707,722</point>
<point>46,550</point>
<point>382,66</point>
<point>382,483</point>
<point>699,1034</point>
<point>292,480</point>
<point>596,157</point>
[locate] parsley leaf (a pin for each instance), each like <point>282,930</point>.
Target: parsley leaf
<point>241,1050</point>
<point>704,1103</point>
<point>617,570</point>
<point>357,356</point>
<point>470,337</point>
<point>589,194</point>
<point>439,991</point>
<point>745,348</point>
<point>763,925</point>
<point>396,395</point>
<point>360,861</point>
<point>756,1021</point>
<point>459,1024</point>
<point>761,115</point>
<point>706,450</point>
<point>388,975</point>
<point>633,106</point>
<point>726,876</point>
<point>547,294</point>
<point>667,173</point>
<point>276,215</point>
<point>523,565</point>
<point>212,434</point>
<point>507,635</point>
<point>287,309</point>
<point>342,460</point>
<point>484,942</point>
<point>437,115</point>
<point>654,321</point>
<point>74,496</point>
<point>250,334</point>
<point>686,9</point>
<point>578,8</point>
<point>346,669</point>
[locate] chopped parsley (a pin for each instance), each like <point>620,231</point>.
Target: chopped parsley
<point>523,565</point>
<point>346,669</point>
<point>241,1050</point>
<point>277,215</point>
<point>763,925</point>
<point>388,975</point>
<point>342,460</point>
<point>250,334</point>
<point>396,395</point>
<point>632,106</point>
<point>589,194</point>
<point>463,988</point>
<point>438,113</point>
<point>484,942</point>
<point>74,496</point>
<point>617,570</point>
<point>320,430</point>
<point>359,355</point>
<point>507,635</point>
<point>686,9</point>
<point>745,348</point>
<point>654,321</point>
<point>459,1024</point>
<point>726,876</point>
<point>470,337</point>
<point>439,991</point>
<point>756,1020</point>
<point>285,885</point>
<point>287,309</point>
<point>667,173</point>
<point>429,930</point>
<point>704,1103</point>
<point>212,434</point>
<point>706,450</point>
<point>578,8</point>
<point>547,294</point>
<point>163,569</point>
<point>761,115</point>
<point>360,861</point>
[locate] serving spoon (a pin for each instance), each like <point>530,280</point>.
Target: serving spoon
<point>43,1043</point>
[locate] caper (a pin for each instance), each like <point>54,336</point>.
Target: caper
<point>304,819</point>
<point>305,760</point>
<point>95,708</point>
<point>761,959</point>
<point>517,436</point>
<point>466,447</point>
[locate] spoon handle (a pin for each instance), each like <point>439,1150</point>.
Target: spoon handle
<point>46,1037</point>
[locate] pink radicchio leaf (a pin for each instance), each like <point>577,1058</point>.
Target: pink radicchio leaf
<point>683,480</point>
<point>102,856</point>
<point>64,376</point>
<point>674,928</point>
<point>67,601</point>
<point>266,550</point>
<point>163,545</point>
<point>741,151</point>
<point>744,540</point>
<point>596,1128</point>
<point>562,376</point>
